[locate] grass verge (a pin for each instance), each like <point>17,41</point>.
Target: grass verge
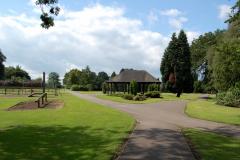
<point>211,146</point>
<point>209,110</point>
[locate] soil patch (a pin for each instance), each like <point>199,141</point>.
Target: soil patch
<point>32,105</point>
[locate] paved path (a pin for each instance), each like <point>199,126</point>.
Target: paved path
<point>157,134</point>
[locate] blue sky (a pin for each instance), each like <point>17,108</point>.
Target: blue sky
<point>134,28</point>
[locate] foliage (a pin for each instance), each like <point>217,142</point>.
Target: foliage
<point>128,96</point>
<point>21,83</point>
<point>226,65</point>
<point>53,80</point>
<point>235,13</point>
<point>113,75</point>
<point>85,77</point>
<point>79,88</point>
<point>101,78</point>
<point>230,98</point>
<point>176,64</point>
<point>47,16</point>
<point>212,146</point>
<point>198,87</point>
<point>16,73</point>
<point>139,98</point>
<point>105,87</point>
<point>2,59</point>
<point>153,94</point>
<point>133,87</point>
<point>117,94</point>
<point>153,87</point>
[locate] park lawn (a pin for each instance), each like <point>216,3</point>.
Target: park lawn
<point>121,100</point>
<point>164,97</point>
<point>91,92</point>
<point>211,146</point>
<point>80,130</point>
<point>209,110</point>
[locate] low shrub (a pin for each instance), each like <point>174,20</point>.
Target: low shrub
<point>153,94</point>
<point>117,94</point>
<point>128,96</point>
<point>139,98</point>
<point>133,87</point>
<point>153,87</point>
<point>75,88</point>
<point>230,98</point>
<point>79,88</point>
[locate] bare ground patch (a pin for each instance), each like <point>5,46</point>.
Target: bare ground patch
<point>32,105</point>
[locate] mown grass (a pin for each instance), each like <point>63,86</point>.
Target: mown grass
<point>80,130</point>
<point>209,110</point>
<point>211,146</point>
<point>91,92</point>
<point>164,97</point>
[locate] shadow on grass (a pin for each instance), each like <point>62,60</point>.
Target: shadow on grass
<point>58,142</point>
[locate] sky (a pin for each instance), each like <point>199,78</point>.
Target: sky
<point>107,35</point>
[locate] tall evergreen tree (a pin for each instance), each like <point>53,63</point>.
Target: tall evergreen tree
<point>176,65</point>
<point>184,64</point>
<point>2,59</point>
<point>168,60</point>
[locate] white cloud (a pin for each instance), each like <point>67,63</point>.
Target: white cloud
<point>177,23</point>
<point>224,11</point>
<point>171,12</point>
<point>99,36</point>
<point>152,17</point>
<point>192,35</point>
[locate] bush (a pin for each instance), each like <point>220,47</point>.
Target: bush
<point>89,87</point>
<point>128,96</point>
<point>198,87</point>
<point>105,88</point>
<point>139,98</point>
<point>79,88</point>
<point>117,94</point>
<point>75,88</point>
<point>153,87</point>
<point>230,98</point>
<point>153,94</point>
<point>133,87</point>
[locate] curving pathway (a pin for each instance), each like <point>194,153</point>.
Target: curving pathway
<point>157,134</point>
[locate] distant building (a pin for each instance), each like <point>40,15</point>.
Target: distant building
<point>122,81</point>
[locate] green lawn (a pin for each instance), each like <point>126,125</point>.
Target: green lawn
<point>91,92</point>
<point>212,146</point>
<point>121,100</point>
<point>81,130</point>
<point>209,110</point>
<point>165,97</point>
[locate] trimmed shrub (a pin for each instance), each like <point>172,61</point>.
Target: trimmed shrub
<point>153,94</point>
<point>79,88</point>
<point>230,98</point>
<point>139,98</point>
<point>128,96</point>
<point>75,88</point>
<point>153,87</point>
<point>105,88</point>
<point>133,87</point>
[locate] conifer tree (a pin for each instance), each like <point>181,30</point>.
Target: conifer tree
<point>176,65</point>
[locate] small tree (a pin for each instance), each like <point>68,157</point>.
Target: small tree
<point>53,80</point>
<point>133,87</point>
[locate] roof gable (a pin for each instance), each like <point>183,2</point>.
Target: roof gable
<point>128,75</point>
